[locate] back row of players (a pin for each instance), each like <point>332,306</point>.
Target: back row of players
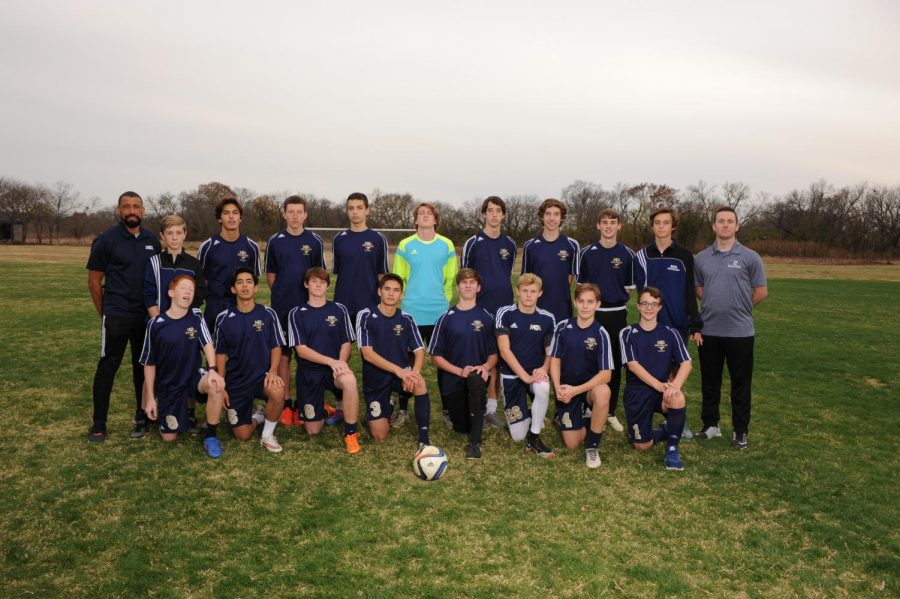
<point>537,339</point>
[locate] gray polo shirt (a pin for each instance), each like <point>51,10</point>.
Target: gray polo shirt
<point>728,280</point>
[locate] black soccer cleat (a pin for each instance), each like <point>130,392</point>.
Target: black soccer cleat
<point>141,428</point>
<point>473,451</point>
<point>534,444</point>
<point>97,433</point>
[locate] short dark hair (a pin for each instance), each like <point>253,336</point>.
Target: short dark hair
<point>294,200</point>
<point>725,209</point>
<point>129,194</point>
<point>391,276</point>
<point>652,292</point>
<point>585,287</point>
<point>467,273</point>
<point>358,196</point>
<point>317,272</point>
<point>552,203</point>
<point>225,202</point>
<point>608,213</point>
<point>665,210</point>
<point>241,270</point>
<point>496,200</point>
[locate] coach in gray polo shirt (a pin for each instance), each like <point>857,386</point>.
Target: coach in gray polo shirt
<point>730,280</point>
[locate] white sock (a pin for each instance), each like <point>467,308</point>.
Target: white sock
<point>269,428</point>
<point>539,405</point>
<point>258,418</point>
<point>491,406</point>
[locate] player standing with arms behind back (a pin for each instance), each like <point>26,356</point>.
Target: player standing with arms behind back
<point>492,254</point>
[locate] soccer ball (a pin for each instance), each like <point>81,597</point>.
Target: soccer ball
<point>430,463</point>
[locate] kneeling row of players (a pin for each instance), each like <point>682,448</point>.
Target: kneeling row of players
<point>535,352</point>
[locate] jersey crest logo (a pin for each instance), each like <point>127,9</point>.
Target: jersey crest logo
<point>734,263</point>
<point>616,262</point>
<point>504,254</point>
<point>331,320</point>
<point>190,333</point>
<point>242,256</point>
<point>258,325</point>
<point>149,247</point>
<point>534,327</point>
<point>477,325</point>
<point>305,249</point>
<point>590,343</point>
<point>674,268</point>
<point>367,246</point>
<point>661,346</point>
<point>563,255</point>
<point>398,329</point>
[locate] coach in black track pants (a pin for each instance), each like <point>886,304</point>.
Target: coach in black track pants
<point>116,279</point>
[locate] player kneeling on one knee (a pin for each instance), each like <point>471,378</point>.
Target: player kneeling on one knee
<point>580,368</point>
<point>652,352</point>
<point>386,337</point>
<point>524,332</point>
<point>321,333</point>
<point>172,370</point>
<point>248,352</point>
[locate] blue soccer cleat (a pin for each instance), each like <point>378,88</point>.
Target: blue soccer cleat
<point>672,460</point>
<point>213,447</point>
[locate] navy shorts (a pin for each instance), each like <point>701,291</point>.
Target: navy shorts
<point>640,405</point>
<point>378,400</point>
<point>311,387</point>
<point>515,399</point>
<point>172,410</point>
<point>240,410</point>
<point>570,416</point>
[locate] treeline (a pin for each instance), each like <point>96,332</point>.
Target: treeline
<point>819,221</point>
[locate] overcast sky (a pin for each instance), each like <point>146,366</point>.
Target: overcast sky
<point>448,101</point>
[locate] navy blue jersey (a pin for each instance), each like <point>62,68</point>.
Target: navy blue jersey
<point>172,344</point>
<point>358,257</point>
<point>323,330</point>
<point>657,351</point>
<point>583,352</point>
<point>162,269</point>
<point>529,336</point>
<point>463,338</point>
<point>248,340</point>
<point>221,258</point>
<point>391,337</point>
<point>493,260</point>
<point>289,257</point>
<point>672,272</point>
<point>553,262</point>
<point>121,257</point>
<point>610,269</point>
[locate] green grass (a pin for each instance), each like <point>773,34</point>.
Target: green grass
<point>809,510</point>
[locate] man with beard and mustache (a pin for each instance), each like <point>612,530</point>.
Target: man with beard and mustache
<point>116,281</point>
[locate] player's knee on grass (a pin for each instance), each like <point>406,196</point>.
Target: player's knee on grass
<point>244,432</point>
<point>168,437</point>
<point>642,446</point>
<point>573,439</point>
<point>518,430</point>
<point>379,429</point>
<point>313,427</point>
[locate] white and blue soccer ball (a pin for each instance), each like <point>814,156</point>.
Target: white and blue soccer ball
<point>430,463</point>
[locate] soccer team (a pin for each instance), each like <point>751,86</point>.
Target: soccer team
<point>235,356</point>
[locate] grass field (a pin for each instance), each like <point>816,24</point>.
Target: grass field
<point>809,510</point>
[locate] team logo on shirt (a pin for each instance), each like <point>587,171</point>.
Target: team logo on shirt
<point>504,254</point>
<point>331,320</point>
<point>590,343</point>
<point>616,262</point>
<point>149,247</point>
<point>398,329</point>
<point>534,327</point>
<point>734,263</point>
<point>258,325</point>
<point>190,333</point>
<point>563,255</point>
<point>477,325</point>
<point>305,249</point>
<point>674,268</point>
<point>243,256</point>
<point>367,246</point>
<point>661,346</point>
